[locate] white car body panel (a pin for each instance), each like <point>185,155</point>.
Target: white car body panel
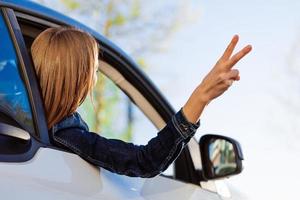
<point>53,174</point>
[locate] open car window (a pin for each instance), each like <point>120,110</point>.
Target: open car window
<point>117,110</point>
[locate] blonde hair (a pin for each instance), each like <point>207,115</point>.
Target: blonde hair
<point>65,60</point>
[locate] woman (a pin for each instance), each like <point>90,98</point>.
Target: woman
<point>66,61</point>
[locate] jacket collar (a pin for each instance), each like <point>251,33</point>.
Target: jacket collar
<point>72,121</point>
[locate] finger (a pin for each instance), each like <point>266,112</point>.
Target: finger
<point>228,51</point>
<point>229,82</point>
<point>219,90</point>
<point>224,85</point>
<point>238,78</point>
<point>232,74</point>
<point>238,56</point>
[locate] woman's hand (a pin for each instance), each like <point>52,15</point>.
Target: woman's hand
<point>216,82</point>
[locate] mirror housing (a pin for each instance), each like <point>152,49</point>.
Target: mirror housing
<point>221,156</point>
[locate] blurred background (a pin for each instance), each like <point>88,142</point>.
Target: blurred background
<point>176,42</point>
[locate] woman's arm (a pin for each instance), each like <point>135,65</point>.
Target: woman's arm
<point>126,158</point>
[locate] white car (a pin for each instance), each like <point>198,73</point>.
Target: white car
<point>33,168</point>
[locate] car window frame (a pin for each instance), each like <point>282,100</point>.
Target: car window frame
<point>184,169</point>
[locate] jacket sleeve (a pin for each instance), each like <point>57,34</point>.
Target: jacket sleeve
<point>126,158</point>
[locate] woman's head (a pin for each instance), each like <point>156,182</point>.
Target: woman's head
<point>65,60</point>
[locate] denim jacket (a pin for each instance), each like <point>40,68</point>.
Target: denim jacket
<point>117,156</point>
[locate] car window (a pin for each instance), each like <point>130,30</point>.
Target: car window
<point>110,112</point>
<point>14,107</point>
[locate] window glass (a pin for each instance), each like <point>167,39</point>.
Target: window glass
<point>13,96</point>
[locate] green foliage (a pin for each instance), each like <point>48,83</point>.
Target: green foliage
<point>106,120</point>
<point>118,20</point>
<point>142,63</point>
<point>71,4</point>
<point>135,10</point>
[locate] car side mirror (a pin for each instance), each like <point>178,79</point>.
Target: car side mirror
<point>221,156</point>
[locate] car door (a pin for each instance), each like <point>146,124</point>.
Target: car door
<point>40,170</point>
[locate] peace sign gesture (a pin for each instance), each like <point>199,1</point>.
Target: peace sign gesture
<point>216,82</point>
